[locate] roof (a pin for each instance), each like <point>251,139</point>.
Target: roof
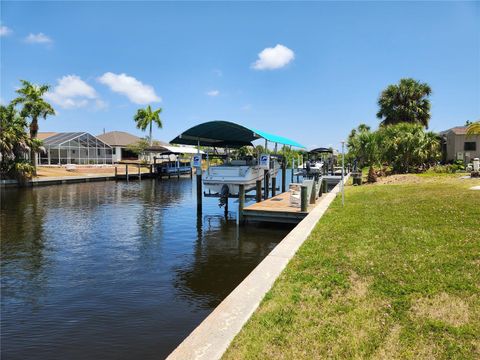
<point>61,138</point>
<point>118,138</point>
<point>170,149</point>
<point>321,150</point>
<point>458,130</point>
<point>224,133</point>
<point>43,135</point>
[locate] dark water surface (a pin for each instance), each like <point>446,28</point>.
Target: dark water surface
<point>114,270</point>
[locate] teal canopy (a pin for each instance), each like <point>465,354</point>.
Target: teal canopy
<point>227,134</point>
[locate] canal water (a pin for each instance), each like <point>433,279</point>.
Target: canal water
<point>116,270</point>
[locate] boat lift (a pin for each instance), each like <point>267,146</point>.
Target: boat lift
<point>229,135</point>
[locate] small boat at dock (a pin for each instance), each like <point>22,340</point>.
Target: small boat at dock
<point>234,173</point>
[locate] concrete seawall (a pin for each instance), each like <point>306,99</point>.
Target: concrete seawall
<point>57,180</point>
<point>213,336</point>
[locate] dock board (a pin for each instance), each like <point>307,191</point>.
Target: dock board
<point>276,209</point>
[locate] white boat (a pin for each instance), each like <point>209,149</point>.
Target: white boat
<point>308,169</point>
<point>217,179</point>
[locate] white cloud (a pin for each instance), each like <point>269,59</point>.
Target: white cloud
<point>39,38</point>
<point>135,90</point>
<point>5,31</point>
<point>247,107</point>
<point>72,92</point>
<point>273,58</point>
<point>213,93</point>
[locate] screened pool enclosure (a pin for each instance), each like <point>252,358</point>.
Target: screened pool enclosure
<point>75,148</point>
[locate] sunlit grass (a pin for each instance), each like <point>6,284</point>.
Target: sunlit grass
<point>394,274</point>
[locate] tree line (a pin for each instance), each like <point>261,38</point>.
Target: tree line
<point>402,141</point>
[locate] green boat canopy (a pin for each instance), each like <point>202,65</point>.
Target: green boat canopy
<point>227,134</point>
<point>321,150</point>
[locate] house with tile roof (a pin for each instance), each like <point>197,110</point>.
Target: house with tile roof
<point>457,145</point>
<point>120,141</point>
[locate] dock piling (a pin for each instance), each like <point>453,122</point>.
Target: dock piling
<point>303,198</point>
<point>199,191</point>
<point>313,195</point>
<point>266,184</point>
<point>284,175</point>
<point>258,192</point>
<point>139,172</point>
<point>274,186</point>
<point>241,202</point>
<point>293,167</point>
<point>116,172</point>
<point>126,171</point>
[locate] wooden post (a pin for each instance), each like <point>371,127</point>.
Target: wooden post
<point>178,172</point>
<point>274,186</point>
<point>303,198</point>
<point>313,195</point>
<point>320,183</point>
<point>139,172</point>
<point>126,171</point>
<point>325,185</point>
<point>199,191</point>
<point>293,166</point>
<point>266,184</point>
<point>241,202</point>
<point>115,172</point>
<point>258,192</point>
<point>284,176</point>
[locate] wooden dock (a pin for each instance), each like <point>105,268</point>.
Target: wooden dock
<point>276,209</point>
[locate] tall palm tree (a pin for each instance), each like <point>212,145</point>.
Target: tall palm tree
<point>146,117</point>
<point>474,128</point>
<point>34,107</point>
<point>406,102</point>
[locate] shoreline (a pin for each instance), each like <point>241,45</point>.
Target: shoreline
<point>212,337</point>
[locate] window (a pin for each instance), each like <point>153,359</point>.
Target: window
<point>114,151</point>
<point>470,146</point>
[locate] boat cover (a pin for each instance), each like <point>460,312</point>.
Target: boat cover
<point>225,133</point>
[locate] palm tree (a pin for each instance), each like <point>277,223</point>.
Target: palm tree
<point>14,143</point>
<point>474,128</point>
<point>405,102</point>
<point>34,107</point>
<point>146,117</point>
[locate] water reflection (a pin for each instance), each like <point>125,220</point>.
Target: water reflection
<point>129,268</point>
<point>224,255</point>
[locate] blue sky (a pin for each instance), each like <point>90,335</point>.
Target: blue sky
<point>200,61</point>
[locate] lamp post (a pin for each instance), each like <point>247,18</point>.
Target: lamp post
<point>343,172</point>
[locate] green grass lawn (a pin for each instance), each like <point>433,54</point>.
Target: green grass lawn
<point>395,274</point>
